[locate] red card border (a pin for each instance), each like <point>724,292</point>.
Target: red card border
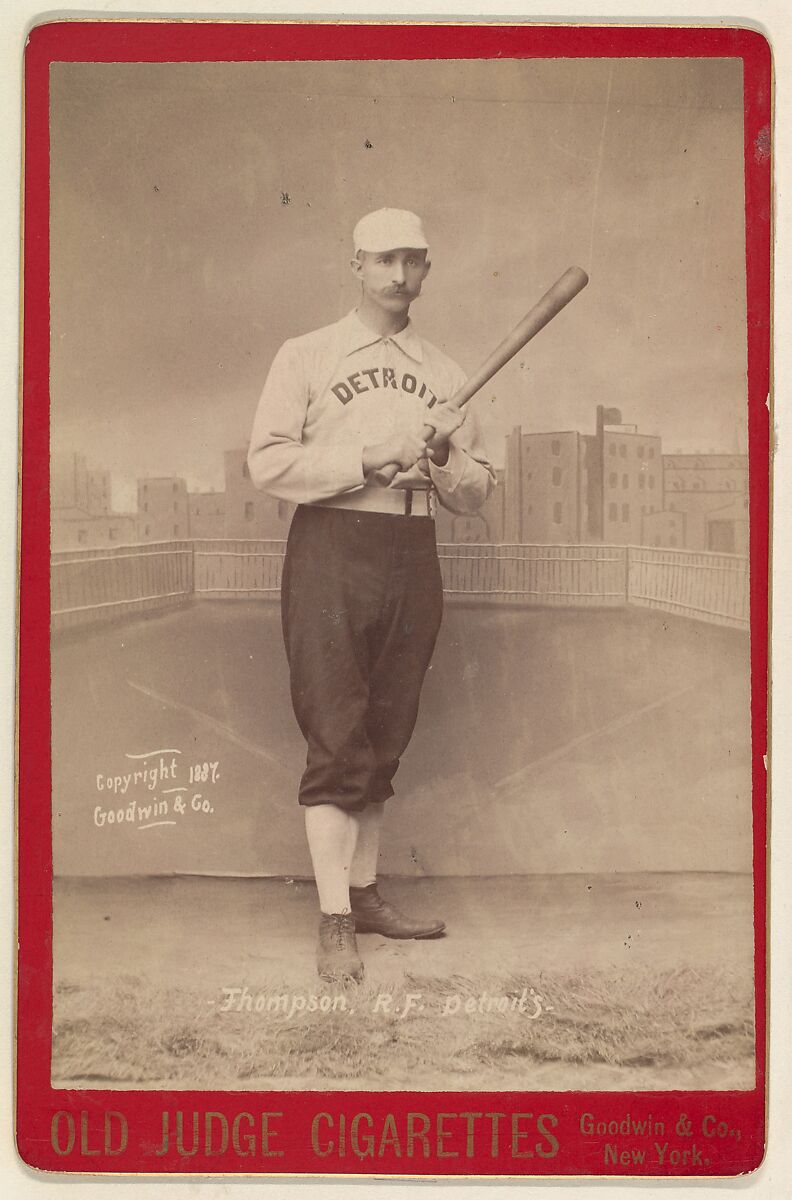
<point>168,40</point>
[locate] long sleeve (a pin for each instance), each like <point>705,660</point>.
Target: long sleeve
<point>467,479</point>
<point>279,459</point>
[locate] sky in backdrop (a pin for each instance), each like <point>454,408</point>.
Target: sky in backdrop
<point>201,214</point>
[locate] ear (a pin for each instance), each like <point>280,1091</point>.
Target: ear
<point>356,265</point>
<point>427,267</point>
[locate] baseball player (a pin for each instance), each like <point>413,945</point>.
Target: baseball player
<point>362,592</point>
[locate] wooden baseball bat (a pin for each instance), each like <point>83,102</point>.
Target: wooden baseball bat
<point>558,296</point>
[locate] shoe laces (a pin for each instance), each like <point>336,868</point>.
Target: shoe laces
<point>343,930</point>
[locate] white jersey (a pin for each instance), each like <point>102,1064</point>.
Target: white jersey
<point>334,391</point>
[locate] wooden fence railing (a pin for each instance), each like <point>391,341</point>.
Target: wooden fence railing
<point>89,585</point>
<point>509,574</point>
<point>96,585</point>
<point>238,568</point>
<point>709,587</point>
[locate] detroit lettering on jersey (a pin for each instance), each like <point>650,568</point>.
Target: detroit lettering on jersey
<point>382,377</point>
<point>334,391</point>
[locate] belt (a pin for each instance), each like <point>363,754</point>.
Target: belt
<point>419,502</point>
<point>405,502</point>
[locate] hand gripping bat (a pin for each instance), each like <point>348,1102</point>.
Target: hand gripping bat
<point>559,295</point>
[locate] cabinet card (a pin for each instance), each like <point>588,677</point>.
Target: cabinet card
<point>312,880</point>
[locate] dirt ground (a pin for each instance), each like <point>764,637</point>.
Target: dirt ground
<point>659,997</point>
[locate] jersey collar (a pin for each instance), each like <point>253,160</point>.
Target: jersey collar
<point>357,336</point>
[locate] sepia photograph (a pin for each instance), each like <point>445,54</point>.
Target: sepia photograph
<point>400,654</point>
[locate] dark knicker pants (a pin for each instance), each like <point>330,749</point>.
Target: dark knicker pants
<point>362,600</point>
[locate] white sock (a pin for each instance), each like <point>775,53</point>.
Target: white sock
<point>365,858</point>
<point>332,834</point>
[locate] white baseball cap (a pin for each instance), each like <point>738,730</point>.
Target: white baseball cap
<point>389,229</point>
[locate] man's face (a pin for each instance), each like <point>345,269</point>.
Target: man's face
<point>391,278</point>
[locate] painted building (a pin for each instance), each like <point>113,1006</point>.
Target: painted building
<point>545,494</point>
<point>701,484</point>
<point>250,513</point>
<point>77,531</point>
<point>207,514</point>
<point>74,485</point>
<point>727,528</point>
<point>163,509</point>
<point>665,528</point>
<point>81,506</point>
<point>632,484</point>
<point>571,488</point>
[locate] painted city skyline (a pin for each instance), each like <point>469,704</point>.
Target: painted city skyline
<point>615,486</point>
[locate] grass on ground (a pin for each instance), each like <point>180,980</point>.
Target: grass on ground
<point>132,1032</point>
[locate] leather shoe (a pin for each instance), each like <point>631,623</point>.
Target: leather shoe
<point>337,957</point>
<point>372,914</point>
